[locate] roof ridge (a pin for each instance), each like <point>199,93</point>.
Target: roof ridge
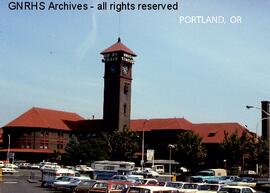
<point>178,122</point>
<point>39,115</point>
<point>46,109</point>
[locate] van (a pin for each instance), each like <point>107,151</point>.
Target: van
<point>49,175</point>
<point>158,168</point>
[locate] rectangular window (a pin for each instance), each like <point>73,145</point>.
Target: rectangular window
<point>125,109</point>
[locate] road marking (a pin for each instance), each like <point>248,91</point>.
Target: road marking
<point>10,182</point>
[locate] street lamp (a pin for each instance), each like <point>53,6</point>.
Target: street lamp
<point>170,146</point>
<point>8,152</point>
<point>268,114</point>
<point>142,160</point>
<point>250,107</point>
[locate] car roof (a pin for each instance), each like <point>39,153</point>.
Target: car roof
<point>239,187</point>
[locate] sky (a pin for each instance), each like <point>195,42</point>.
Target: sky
<point>204,72</point>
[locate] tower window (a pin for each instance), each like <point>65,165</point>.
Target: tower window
<point>125,109</point>
<point>126,89</point>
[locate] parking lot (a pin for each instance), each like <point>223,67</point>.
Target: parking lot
<point>20,183</point>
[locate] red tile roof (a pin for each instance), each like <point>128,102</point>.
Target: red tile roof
<point>215,132</point>
<point>160,124</point>
<point>44,118</point>
<point>209,132</point>
<point>118,46</point>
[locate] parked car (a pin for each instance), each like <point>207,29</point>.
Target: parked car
<point>151,189</point>
<point>34,166</point>
<point>10,171</point>
<point>209,188</point>
<point>68,183</point>
<point>127,178</point>
<point>175,184</point>
<point>109,187</point>
<point>10,165</point>
<point>148,181</point>
<point>189,187</point>
<point>84,186</point>
<point>83,168</point>
<point>236,189</point>
<point>243,181</point>
<point>228,179</point>
<point>24,165</point>
<point>2,164</point>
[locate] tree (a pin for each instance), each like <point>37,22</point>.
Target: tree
<point>258,153</point>
<point>72,149</point>
<point>93,149</point>
<point>104,146</point>
<point>190,152</point>
<point>234,148</point>
<point>122,145</point>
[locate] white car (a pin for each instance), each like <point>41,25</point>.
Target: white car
<point>71,184</point>
<point>150,172</point>
<point>152,189</point>
<point>209,188</point>
<point>189,187</point>
<point>9,165</point>
<point>236,189</point>
<point>83,168</point>
<point>9,171</point>
<point>2,164</point>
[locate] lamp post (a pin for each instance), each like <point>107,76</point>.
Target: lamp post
<point>170,146</point>
<point>268,114</point>
<point>142,160</point>
<point>8,152</point>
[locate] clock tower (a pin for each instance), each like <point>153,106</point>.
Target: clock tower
<point>118,61</point>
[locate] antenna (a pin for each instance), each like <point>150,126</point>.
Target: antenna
<point>119,25</point>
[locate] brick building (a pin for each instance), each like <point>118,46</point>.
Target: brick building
<point>39,132</point>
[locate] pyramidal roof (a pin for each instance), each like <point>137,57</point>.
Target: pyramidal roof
<point>44,118</point>
<point>117,47</point>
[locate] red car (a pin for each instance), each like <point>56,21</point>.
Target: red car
<point>107,187</point>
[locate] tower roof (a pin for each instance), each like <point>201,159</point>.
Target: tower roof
<point>118,46</point>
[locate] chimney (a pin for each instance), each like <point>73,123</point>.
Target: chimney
<point>265,119</point>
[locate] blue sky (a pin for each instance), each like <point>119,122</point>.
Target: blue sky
<point>203,72</point>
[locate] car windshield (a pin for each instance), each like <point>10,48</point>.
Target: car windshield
<point>64,179</point>
<point>174,185</point>
<point>208,187</point>
<point>230,190</point>
<point>190,186</point>
<point>138,190</point>
<point>224,177</point>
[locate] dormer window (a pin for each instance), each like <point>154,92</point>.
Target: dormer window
<point>211,134</point>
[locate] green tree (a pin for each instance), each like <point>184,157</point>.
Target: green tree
<point>258,153</point>
<point>93,149</point>
<point>122,145</point>
<point>72,155</point>
<point>234,148</point>
<point>190,152</point>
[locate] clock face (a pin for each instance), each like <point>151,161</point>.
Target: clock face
<point>125,69</point>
